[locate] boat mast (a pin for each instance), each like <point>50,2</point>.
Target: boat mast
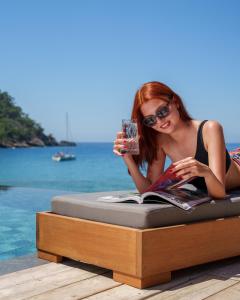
<point>67,127</point>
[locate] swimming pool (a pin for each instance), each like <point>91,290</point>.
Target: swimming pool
<point>18,207</point>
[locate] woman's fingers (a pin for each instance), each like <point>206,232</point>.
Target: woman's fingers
<point>119,149</point>
<point>120,135</point>
<point>185,171</point>
<point>183,165</point>
<point>190,167</point>
<point>187,176</point>
<point>117,153</point>
<point>119,146</point>
<point>119,142</point>
<point>120,138</point>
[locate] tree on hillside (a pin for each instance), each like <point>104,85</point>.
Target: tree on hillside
<point>15,125</point>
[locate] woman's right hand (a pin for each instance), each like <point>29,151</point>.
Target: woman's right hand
<point>120,146</point>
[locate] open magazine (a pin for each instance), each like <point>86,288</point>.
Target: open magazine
<point>167,189</point>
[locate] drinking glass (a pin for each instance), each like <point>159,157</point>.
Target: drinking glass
<point>130,130</point>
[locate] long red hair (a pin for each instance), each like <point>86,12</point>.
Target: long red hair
<point>148,136</point>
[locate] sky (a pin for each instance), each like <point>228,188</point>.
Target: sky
<point>88,58</point>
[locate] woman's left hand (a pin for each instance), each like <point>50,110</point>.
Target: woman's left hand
<point>190,167</point>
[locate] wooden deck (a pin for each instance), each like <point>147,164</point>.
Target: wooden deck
<point>77,280</point>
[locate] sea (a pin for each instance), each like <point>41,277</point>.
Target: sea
<point>95,169</point>
<point>29,179</point>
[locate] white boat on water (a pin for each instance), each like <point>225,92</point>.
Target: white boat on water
<point>61,156</point>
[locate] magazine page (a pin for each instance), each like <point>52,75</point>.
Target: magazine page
<point>182,197</point>
<point>167,180</point>
<point>169,198</point>
<point>127,197</point>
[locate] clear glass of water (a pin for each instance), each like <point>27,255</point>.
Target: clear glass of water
<point>130,130</point>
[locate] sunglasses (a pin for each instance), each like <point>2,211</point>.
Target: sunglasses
<point>161,113</point>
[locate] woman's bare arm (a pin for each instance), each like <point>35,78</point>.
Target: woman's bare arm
<point>153,171</point>
<point>157,167</point>
<point>215,179</point>
<point>214,173</point>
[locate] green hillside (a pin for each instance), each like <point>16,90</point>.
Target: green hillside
<point>17,129</point>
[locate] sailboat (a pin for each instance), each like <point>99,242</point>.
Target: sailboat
<point>61,155</point>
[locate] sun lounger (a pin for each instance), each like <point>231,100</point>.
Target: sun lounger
<point>142,244</point>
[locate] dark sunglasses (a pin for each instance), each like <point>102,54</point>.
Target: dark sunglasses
<point>161,113</point>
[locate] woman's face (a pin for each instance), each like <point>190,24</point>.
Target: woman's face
<point>165,124</point>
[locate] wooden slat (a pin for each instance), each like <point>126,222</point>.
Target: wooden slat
<point>192,283</point>
<point>197,289</point>
<point>99,289</point>
<point>177,247</point>
<point>121,292</point>
<point>41,284</point>
<point>104,245</point>
<point>231,293</point>
<point>22,276</point>
<point>80,289</point>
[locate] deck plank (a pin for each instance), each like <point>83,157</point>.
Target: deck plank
<point>77,280</point>
<point>100,288</point>
<point>197,289</point>
<point>231,293</point>
<point>113,290</point>
<point>181,280</point>
<point>39,283</point>
<point>27,274</point>
<point>81,289</point>
<point>39,272</point>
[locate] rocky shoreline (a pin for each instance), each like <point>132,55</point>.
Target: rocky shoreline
<point>35,142</point>
<point>18,130</point>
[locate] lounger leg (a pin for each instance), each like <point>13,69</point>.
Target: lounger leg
<point>142,283</point>
<point>49,256</point>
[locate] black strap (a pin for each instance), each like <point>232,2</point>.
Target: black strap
<point>200,136</point>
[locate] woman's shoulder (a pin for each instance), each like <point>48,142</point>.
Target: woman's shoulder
<point>208,124</point>
<point>212,126</point>
<point>212,130</point>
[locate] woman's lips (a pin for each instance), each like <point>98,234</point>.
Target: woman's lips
<point>165,125</point>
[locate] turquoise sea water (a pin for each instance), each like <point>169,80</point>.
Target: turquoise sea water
<point>29,179</point>
<point>96,169</point>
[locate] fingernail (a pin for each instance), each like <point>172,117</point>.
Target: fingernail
<point>123,151</point>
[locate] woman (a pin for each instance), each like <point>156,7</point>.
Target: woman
<point>196,148</point>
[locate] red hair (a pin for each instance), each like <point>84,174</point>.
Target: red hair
<point>148,136</point>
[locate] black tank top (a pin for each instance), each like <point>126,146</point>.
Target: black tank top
<point>202,156</point>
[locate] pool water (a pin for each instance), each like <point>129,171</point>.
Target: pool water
<point>18,207</point>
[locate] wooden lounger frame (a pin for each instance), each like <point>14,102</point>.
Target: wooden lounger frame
<point>140,258</point>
